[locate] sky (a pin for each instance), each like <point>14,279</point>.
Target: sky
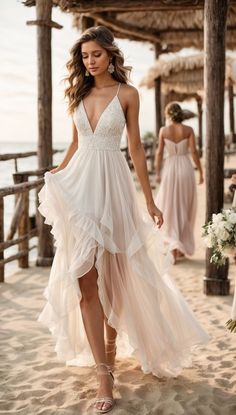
<point>18,75</point>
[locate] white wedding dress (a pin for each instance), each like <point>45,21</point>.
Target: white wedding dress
<point>96,219</point>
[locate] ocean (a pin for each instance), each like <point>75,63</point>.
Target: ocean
<point>18,87</point>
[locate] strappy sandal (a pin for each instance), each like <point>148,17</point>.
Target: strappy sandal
<point>104,400</point>
<point>111,353</point>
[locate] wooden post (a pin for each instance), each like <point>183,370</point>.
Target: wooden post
<point>43,13</point>
<point>158,113</point>
<point>231,110</point>
<point>199,107</point>
<point>23,222</point>
<point>2,236</point>
<point>86,23</point>
<point>215,281</point>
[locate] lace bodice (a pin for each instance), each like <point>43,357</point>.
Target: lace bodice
<point>108,132</point>
<point>176,149</point>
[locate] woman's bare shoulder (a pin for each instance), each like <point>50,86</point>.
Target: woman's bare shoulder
<point>129,91</point>
<point>164,130</point>
<point>187,129</point>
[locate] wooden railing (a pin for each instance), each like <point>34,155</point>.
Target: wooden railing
<point>22,223</point>
<point>149,152</point>
<point>16,156</point>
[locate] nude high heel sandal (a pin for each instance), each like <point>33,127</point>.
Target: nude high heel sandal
<point>109,402</point>
<point>111,353</point>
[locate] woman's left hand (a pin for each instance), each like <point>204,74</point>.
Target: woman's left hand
<point>154,212</point>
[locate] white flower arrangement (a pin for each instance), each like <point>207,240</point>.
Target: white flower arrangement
<point>220,235</point>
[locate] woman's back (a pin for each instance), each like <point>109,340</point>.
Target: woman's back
<point>176,132</point>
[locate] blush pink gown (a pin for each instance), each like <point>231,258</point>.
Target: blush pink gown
<point>176,197</point>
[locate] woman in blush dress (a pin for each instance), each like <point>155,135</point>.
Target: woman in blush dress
<point>176,196</point>
<point>105,285</point>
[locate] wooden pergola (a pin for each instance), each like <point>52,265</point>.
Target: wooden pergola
<point>182,79</point>
<point>169,25</point>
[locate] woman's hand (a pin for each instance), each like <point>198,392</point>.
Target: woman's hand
<point>154,212</point>
<point>53,171</point>
<point>158,178</point>
<point>201,179</point>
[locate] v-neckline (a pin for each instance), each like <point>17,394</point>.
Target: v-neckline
<point>87,118</point>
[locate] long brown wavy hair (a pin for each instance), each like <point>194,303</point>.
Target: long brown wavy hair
<point>79,84</point>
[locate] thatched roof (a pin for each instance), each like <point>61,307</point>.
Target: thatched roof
<point>183,74</point>
<point>177,96</point>
<point>172,24</point>
<point>172,30</point>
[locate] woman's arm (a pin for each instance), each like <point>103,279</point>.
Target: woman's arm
<point>159,154</point>
<point>195,156</point>
<point>70,151</point>
<point>137,153</point>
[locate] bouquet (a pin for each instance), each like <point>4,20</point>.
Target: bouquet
<point>219,234</point>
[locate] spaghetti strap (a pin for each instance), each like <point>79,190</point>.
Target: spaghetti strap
<point>118,88</point>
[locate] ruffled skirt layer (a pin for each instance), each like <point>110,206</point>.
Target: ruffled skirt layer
<point>95,216</point>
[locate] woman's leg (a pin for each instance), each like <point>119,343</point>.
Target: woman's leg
<point>174,253</point>
<point>93,319</point>
<point>111,335</point>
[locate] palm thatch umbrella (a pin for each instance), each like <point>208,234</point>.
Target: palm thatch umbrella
<point>183,77</point>
<point>181,74</point>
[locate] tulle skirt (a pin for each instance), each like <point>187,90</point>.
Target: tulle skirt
<point>97,220</point>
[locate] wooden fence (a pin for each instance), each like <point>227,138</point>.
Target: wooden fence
<point>22,224</point>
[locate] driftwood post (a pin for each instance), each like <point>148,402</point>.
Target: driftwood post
<point>44,26</point>
<point>1,236</point>
<point>158,107</point>
<point>199,108</point>
<point>215,281</point>
<point>43,13</point>
<point>23,222</point>
<point>231,110</point>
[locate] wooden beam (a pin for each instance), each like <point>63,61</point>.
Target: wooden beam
<point>48,23</point>
<point>125,28</point>
<point>86,6</point>
<point>93,6</point>
<point>199,108</point>
<point>215,281</point>
<point>158,108</point>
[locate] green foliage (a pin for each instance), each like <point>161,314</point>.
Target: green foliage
<point>148,136</point>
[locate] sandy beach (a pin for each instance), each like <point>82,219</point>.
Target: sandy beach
<point>34,382</point>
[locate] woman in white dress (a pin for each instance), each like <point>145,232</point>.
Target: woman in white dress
<point>177,196</point>
<point>103,273</point>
